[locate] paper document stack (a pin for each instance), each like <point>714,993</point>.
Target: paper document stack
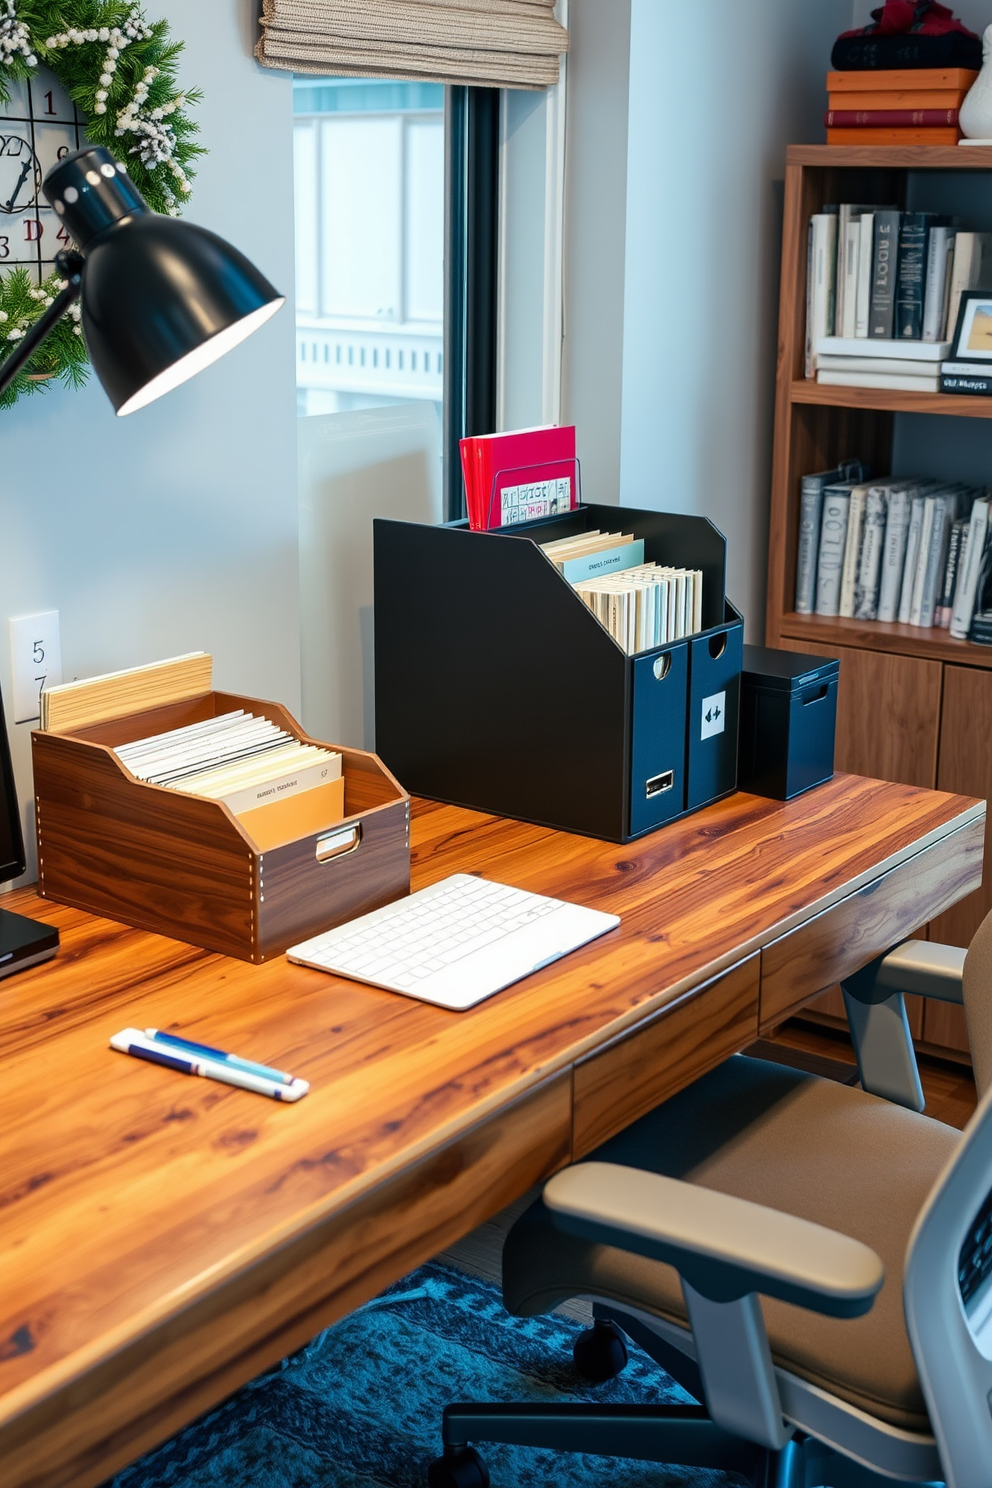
<point>641,604</point>
<point>238,758</point>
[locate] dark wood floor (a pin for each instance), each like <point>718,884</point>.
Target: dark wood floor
<point>949,1088</point>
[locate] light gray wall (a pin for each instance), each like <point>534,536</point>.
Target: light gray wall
<point>715,95</point>
<point>595,206</point>
<point>176,528</point>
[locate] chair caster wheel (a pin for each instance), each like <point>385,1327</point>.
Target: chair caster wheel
<point>600,1352</point>
<point>460,1467</point>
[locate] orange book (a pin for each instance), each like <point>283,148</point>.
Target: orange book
<point>934,136</point>
<point>912,79</point>
<point>910,98</point>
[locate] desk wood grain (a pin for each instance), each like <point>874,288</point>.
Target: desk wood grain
<point>163,1239</point>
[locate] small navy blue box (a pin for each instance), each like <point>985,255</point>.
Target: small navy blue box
<point>788,722</point>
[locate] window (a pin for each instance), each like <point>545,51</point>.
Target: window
<point>370,213</point>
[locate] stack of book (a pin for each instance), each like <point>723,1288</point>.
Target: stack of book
<point>909,549</point>
<point>883,292</point>
<point>640,604</point>
<point>912,106</point>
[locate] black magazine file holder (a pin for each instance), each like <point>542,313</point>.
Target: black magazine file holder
<point>497,688</point>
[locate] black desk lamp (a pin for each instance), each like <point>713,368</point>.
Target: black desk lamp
<point>161,299</point>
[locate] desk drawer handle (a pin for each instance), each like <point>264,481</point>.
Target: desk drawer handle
<point>336,844</point>
<point>816,697</point>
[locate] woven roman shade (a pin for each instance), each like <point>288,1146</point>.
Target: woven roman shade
<point>485,43</point>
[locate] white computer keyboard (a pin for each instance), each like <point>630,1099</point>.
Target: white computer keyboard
<point>456,942</point>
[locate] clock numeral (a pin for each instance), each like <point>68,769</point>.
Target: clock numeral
<point>61,152</point>
<point>32,230</point>
<point>49,105</point>
<point>4,247</point>
<point>63,235</point>
<point>12,145</point>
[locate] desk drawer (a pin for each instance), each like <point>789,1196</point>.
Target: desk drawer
<point>847,936</point>
<point>663,1054</point>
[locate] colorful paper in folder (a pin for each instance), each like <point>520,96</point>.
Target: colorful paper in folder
<point>519,476</point>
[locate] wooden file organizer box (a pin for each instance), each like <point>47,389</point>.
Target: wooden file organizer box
<point>185,866</point>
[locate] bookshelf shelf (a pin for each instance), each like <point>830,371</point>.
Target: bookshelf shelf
<point>876,635</point>
<point>914,705</point>
<point>889,400</point>
<point>900,157</point>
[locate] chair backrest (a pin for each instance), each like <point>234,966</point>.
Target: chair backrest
<point>978,1002</point>
<point>947,1294</point>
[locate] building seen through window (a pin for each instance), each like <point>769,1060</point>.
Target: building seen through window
<point>369,243</point>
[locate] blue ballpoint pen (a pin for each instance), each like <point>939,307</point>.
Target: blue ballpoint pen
<point>133,1041</point>
<point>218,1056</point>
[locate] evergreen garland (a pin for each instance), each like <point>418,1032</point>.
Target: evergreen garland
<point>121,72</point>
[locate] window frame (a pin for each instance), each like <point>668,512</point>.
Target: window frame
<point>471,257</point>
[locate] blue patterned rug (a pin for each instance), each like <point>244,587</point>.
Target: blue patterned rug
<point>360,1406</point>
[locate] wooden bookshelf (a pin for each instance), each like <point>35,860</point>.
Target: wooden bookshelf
<point>914,705</point>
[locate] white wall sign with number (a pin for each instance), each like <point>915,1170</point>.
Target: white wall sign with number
<point>35,661</point>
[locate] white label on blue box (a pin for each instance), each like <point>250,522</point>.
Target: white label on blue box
<point>714,709</point>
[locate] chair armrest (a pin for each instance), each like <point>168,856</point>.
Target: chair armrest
<point>724,1247</point>
<point>922,967</point>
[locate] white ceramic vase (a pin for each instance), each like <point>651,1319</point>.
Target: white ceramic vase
<point>976,111</point>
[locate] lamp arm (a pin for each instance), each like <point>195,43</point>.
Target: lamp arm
<point>33,338</point>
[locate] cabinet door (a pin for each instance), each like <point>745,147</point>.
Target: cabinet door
<point>965,766</point>
<point>888,713</point>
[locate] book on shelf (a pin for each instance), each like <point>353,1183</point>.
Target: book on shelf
<point>893,548</point>
<point>968,378</point>
<point>890,118</point>
<point>981,630</point>
<point>821,279</point>
<point>939,266</point>
<point>909,81</point>
<point>883,282</point>
<point>907,382</point>
<point>833,543</point>
<point>914,231</point>
<point>890,136</point>
<point>846,275</point>
<point>869,560</point>
<point>976,543</point>
<point>811,489</point>
<point>881,310</point>
<point>945,605</point>
<point>931,353</point>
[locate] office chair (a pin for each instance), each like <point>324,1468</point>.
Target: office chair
<point>864,1226</point>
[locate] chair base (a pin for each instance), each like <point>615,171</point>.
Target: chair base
<point>682,1435</point>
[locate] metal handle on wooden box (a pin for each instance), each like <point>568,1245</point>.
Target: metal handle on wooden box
<point>335,844</point>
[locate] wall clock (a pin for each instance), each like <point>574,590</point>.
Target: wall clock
<point>38,126</point>
<point>108,78</point>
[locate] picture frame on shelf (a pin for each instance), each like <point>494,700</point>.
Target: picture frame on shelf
<point>973,332</point>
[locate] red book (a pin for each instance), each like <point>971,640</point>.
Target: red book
<point>519,476</point>
<point>890,118</point>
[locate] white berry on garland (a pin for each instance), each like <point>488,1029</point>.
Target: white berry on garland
<point>121,72</point>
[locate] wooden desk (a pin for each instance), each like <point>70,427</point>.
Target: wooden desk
<point>162,1240</point>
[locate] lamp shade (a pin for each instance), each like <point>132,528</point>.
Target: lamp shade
<point>161,298</point>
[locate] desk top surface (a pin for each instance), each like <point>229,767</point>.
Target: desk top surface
<point>127,1190</point>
